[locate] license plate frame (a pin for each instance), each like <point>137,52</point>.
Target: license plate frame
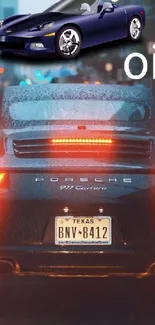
<point>105,219</point>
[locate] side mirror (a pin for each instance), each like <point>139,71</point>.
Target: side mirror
<point>107,8</point>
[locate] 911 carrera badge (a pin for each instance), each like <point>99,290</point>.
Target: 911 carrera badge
<point>82,188</point>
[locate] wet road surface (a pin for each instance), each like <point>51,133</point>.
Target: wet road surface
<point>78,301</point>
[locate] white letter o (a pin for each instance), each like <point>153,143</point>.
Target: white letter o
<point>127,64</point>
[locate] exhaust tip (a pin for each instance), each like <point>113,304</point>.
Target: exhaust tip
<point>6,267</point>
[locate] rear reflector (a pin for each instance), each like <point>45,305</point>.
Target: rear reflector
<point>80,141</point>
<point>4,181</point>
<point>2,177</point>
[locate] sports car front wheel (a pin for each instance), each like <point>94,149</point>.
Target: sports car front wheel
<point>135,29</point>
<point>68,42</point>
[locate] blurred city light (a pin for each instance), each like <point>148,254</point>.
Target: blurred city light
<point>108,67</point>
<point>97,82</point>
<point>28,81</point>
<point>22,83</point>
<point>2,70</point>
<point>38,73</point>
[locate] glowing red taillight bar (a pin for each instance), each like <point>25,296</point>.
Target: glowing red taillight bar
<point>81,141</point>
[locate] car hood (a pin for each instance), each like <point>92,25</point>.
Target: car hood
<point>30,21</point>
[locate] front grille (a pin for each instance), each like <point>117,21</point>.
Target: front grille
<point>119,148</point>
<point>12,46</point>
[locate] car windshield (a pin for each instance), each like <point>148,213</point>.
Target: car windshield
<point>88,110</point>
<point>75,6</point>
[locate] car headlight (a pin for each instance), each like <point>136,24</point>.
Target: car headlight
<point>1,23</point>
<point>44,26</point>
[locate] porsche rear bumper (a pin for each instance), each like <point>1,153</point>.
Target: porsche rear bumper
<point>24,285</point>
<point>44,262</point>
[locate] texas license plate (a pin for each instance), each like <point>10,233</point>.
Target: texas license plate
<point>83,230</point>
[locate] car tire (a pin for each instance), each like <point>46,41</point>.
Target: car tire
<point>135,29</point>
<point>68,42</point>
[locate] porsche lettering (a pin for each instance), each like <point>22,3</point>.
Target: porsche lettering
<point>112,180</point>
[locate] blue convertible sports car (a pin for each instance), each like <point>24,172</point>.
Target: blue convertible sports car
<point>70,25</point>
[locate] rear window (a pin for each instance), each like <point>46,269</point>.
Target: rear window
<point>50,110</point>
